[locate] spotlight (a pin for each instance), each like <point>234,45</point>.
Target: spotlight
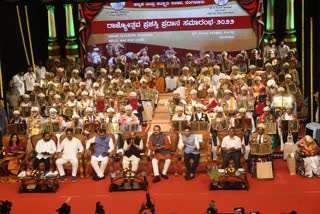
<point>5,207</point>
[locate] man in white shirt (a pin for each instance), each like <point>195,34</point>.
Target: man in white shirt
<point>103,148</point>
<point>30,79</point>
<point>45,148</point>
<point>18,80</point>
<point>71,148</point>
<point>231,149</point>
<point>217,76</point>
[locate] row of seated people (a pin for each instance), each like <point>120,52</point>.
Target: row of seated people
<point>75,152</point>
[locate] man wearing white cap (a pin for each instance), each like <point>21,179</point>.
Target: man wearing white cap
<point>71,103</point>
<point>34,122</point>
<point>229,103</point>
<point>17,119</point>
<point>204,73</point>
<point>75,123</point>
<point>248,128</point>
<point>89,79</point>
<point>217,76</point>
<point>26,102</point>
<point>60,77</point>
<point>69,151</point>
<point>225,84</point>
<point>82,88</point>
<point>238,84</point>
<point>189,87</point>
<point>267,117</point>
<point>259,137</point>
<point>41,103</point>
<point>309,151</point>
<point>55,119</point>
<point>179,115</point>
<point>95,90</point>
<point>127,88</point>
<point>129,121</point>
<point>183,78</point>
<point>29,78</point>
<point>75,80</point>
<point>192,101</point>
<point>199,115</point>
<point>205,84</point>
<point>284,131</point>
<point>257,86</point>
<point>149,97</point>
<point>103,79</point>
<point>211,101</point>
<point>174,102</point>
<point>120,100</point>
<point>84,103</point>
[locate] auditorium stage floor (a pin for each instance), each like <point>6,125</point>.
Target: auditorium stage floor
<point>176,195</point>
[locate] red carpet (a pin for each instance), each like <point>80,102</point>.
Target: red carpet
<point>282,194</point>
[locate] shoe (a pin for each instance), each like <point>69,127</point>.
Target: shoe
<point>165,176</point>
<point>156,179</point>
<point>73,179</point>
<point>187,177</point>
<point>97,178</point>
<point>50,174</point>
<point>63,178</point>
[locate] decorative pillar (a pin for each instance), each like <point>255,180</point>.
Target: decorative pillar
<point>269,33</point>
<point>290,38</point>
<point>53,46</point>
<point>71,41</point>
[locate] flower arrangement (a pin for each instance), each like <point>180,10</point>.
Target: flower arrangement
<point>230,170</point>
<point>126,172</point>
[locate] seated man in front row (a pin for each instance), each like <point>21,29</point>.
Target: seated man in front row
<point>69,150</point>
<point>159,144</point>
<point>132,148</point>
<point>103,148</point>
<point>189,143</point>
<point>45,148</point>
<point>231,149</point>
<point>310,151</point>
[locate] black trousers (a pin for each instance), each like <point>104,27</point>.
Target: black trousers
<point>191,168</point>
<point>235,156</point>
<point>37,162</point>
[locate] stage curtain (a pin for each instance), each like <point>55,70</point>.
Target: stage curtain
<point>88,11</point>
<point>255,9</point>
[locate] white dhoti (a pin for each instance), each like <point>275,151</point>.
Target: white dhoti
<point>171,83</point>
<point>134,163</point>
<point>147,111</point>
<point>312,166</point>
<point>95,164</point>
<point>155,166</point>
<point>74,162</point>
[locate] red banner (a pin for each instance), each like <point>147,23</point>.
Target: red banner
<point>176,24</point>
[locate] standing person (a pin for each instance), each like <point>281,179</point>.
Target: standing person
<point>189,143</point>
<point>29,79</point>
<point>159,144</point>
<point>45,148</point>
<point>18,81</point>
<point>70,148</point>
<point>3,122</point>
<point>103,148</point>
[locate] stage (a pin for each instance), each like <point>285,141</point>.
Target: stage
<point>282,194</point>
